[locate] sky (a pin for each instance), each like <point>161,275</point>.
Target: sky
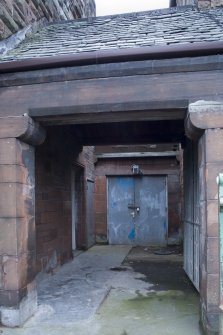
<point>109,7</point>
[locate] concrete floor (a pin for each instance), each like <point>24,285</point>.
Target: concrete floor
<point>113,290</point>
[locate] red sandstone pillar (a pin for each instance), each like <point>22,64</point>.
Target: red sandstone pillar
<point>205,123</point>
<point>18,298</point>
<point>211,164</point>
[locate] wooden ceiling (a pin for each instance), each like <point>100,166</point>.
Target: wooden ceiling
<point>127,133</point>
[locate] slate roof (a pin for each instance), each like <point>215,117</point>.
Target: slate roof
<point>153,28</point>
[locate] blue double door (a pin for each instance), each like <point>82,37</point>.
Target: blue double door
<point>137,210</point>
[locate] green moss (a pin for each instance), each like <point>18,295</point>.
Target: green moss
<point>159,313</point>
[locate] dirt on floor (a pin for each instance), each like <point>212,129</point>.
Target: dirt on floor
<point>169,306</point>
<point>117,290</point>
<point>162,267</point>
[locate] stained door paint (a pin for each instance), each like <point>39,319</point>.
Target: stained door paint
<point>137,210</point>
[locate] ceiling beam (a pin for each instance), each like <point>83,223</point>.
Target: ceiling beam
<point>137,154</point>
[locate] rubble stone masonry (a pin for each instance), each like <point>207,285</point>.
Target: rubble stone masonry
<point>201,3</point>
<point>18,14</point>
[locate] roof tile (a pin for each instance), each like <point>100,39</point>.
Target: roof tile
<point>178,25</point>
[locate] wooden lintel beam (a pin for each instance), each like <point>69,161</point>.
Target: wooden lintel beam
<point>137,154</point>
<point>128,141</point>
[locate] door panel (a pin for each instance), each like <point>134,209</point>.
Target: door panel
<point>137,210</point>
<point>120,221</point>
<point>151,221</point>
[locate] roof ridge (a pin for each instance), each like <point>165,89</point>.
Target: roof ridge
<point>170,10</point>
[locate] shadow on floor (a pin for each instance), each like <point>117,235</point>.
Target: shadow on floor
<point>162,269</point>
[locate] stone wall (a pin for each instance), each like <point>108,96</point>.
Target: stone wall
<point>210,3</point>
<point>210,165</point>
<point>53,203</point>
<point>17,14</point>
<point>86,158</point>
<point>201,3</point>
<point>55,160</point>
<point>83,194</point>
<point>185,2</point>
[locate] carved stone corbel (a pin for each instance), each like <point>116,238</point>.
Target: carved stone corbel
<point>23,128</point>
<point>203,115</point>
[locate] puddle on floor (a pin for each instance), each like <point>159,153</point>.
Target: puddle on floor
<point>170,312</point>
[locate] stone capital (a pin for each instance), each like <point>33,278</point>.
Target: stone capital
<point>203,115</point>
<point>23,128</point>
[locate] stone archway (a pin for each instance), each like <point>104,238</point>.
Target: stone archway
<point>121,97</point>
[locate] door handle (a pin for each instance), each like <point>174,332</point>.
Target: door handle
<point>133,215</point>
<point>134,207</point>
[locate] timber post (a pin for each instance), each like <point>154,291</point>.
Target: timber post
<point>18,298</point>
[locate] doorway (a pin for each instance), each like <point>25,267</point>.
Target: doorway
<point>137,210</point>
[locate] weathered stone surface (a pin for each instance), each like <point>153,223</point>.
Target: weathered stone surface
<point>23,128</point>
<point>201,3</point>
<point>17,14</point>
<point>17,231</point>
<point>185,2</point>
<point>13,317</point>
<point>14,234</point>
<point>210,3</point>
<point>214,149</point>
<point>210,158</point>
